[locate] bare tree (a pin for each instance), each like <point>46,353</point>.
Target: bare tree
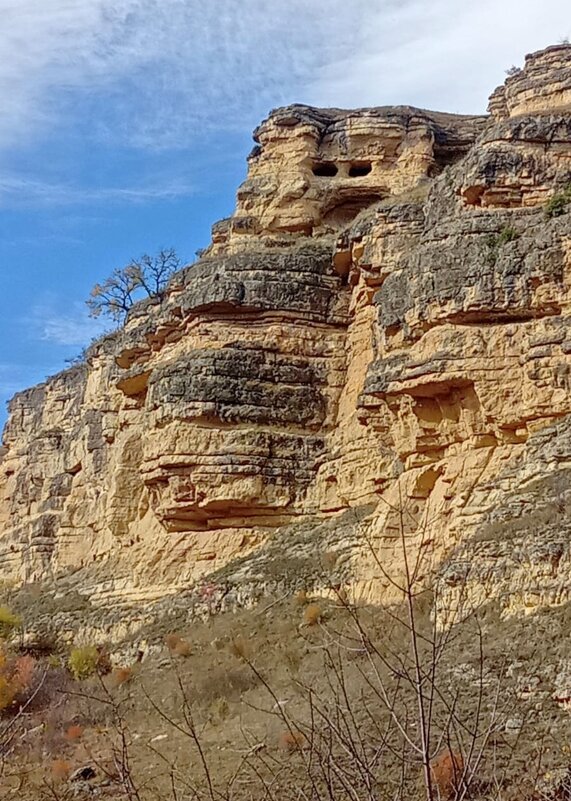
<point>147,276</point>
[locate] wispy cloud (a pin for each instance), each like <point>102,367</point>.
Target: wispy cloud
<point>444,54</point>
<point>163,73</point>
<point>28,191</point>
<point>69,325</point>
<point>168,68</point>
<point>172,69</point>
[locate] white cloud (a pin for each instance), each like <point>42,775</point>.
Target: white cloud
<point>167,68</point>
<point>29,191</point>
<point>72,326</point>
<point>444,54</point>
<point>159,73</point>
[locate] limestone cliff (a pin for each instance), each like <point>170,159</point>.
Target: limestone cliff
<point>379,337</point>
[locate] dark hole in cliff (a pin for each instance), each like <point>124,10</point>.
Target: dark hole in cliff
<point>392,330</point>
<point>473,195</point>
<point>359,169</point>
<point>325,169</point>
<point>342,264</point>
<point>348,208</point>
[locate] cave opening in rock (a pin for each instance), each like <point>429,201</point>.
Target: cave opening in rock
<point>325,169</point>
<point>360,168</point>
<point>349,205</point>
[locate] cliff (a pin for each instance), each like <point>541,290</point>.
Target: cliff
<point>377,342</point>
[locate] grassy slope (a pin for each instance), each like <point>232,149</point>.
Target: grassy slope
<point>247,679</point>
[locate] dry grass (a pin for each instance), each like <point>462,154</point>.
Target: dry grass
<point>446,769</point>
<point>172,640</point>
<point>312,614</point>
<point>18,680</point>
<point>292,741</point>
<point>60,770</point>
<point>182,649</point>
<point>83,661</point>
<point>301,598</point>
<point>177,645</point>
<point>219,710</point>
<point>8,622</point>
<point>235,714</point>
<point>120,676</point>
<point>73,733</point>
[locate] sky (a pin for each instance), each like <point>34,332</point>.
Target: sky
<point>125,124</point>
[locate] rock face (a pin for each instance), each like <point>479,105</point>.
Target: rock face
<point>313,170</point>
<point>381,330</point>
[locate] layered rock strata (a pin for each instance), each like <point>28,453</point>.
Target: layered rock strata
<point>381,333</point>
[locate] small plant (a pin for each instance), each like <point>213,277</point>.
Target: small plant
<point>8,622</point>
<point>513,70</point>
<point>73,733</point>
<point>292,741</point>
<point>219,710</point>
<point>77,360</point>
<point>495,241</point>
<point>507,234</point>
<point>172,640</point>
<point>83,662</point>
<point>446,770</point>
<point>312,615</point>
<point>557,203</point>
<point>177,645</point>
<point>8,693</point>
<point>104,666</point>
<point>292,658</point>
<point>121,675</point>
<point>16,679</point>
<point>60,770</point>
<point>183,648</point>
<point>301,598</point>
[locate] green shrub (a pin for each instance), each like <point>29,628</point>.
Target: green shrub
<point>83,661</point>
<point>507,234</point>
<point>557,203</point>
<point>8,622</point>
<point>495,241</point>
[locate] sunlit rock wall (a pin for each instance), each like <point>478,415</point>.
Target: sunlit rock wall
<point>382,327</point>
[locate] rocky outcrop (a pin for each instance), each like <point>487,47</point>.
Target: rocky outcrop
<point>542,86</point>
<point>313,170</point>
<point>380,334</point>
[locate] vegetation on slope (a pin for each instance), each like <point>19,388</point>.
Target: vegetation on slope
<point>302,697</point>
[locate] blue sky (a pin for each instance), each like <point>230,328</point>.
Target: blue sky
<point>125,124</point>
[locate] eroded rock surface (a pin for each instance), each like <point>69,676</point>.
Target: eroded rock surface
<point>381,334</point>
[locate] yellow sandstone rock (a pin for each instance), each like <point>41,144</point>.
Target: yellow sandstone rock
<point>378,341</point>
